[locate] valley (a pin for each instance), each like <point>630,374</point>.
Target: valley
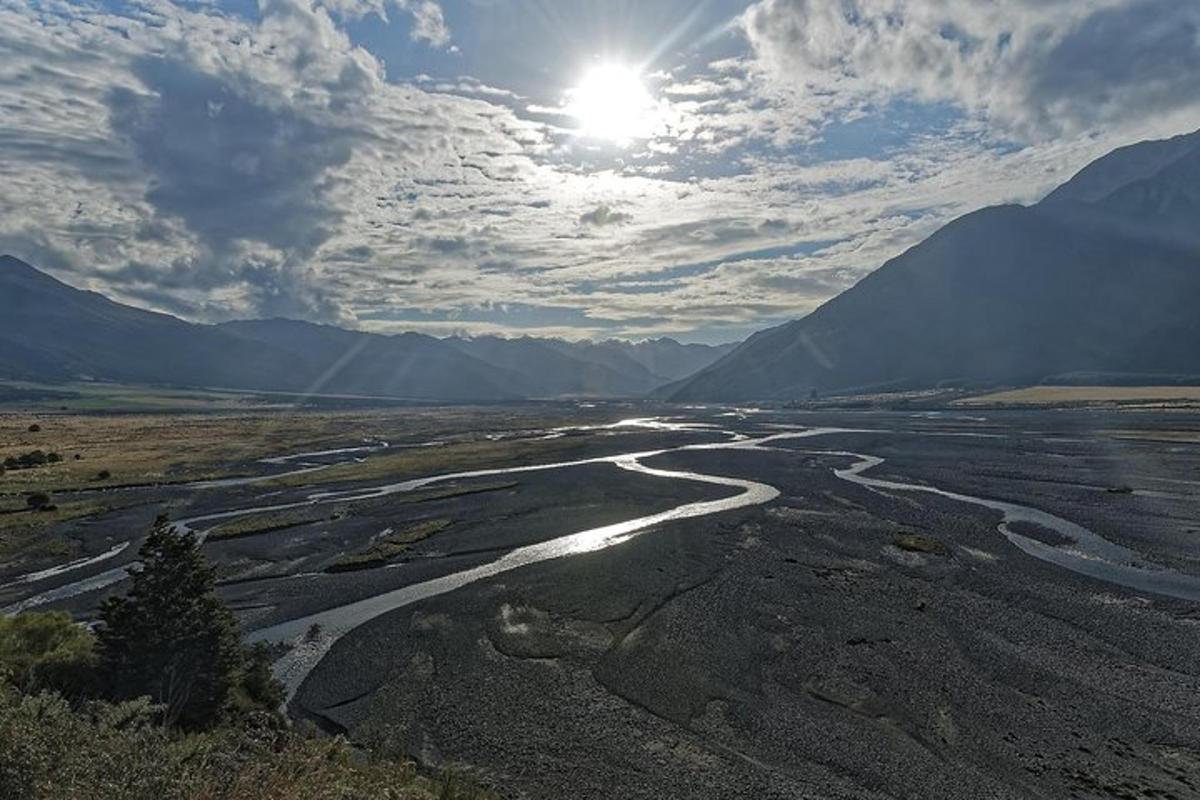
<point>714,601</point>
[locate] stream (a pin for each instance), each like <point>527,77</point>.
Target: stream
<point>312,636</point>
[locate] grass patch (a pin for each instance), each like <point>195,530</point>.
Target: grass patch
<point>387,547</point>
<point>1085,395</point>
<point>918,543</point>
<point>253,524</point>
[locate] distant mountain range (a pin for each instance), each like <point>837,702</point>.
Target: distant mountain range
<point>53,332</point>
<point>1099,282</point>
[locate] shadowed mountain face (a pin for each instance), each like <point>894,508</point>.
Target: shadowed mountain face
<point>1100,282</point>
<point>54,332</point>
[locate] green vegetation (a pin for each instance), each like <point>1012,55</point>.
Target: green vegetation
<point>39,501</point>
<point>387,547</point>
<point>31,460</point>
<point>252,524</point>
<point>47,652</point>
<point>171,637</point>
<point>918,543</point>
<point>105,751</point>
<point>165,704</point>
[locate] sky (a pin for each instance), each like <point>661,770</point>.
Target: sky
<point>549,167</point>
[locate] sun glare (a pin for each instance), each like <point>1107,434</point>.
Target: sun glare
<point>612,104</point>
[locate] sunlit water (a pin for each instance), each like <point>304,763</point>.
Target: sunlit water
<point>1087,553</point>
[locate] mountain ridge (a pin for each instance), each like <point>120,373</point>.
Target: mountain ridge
<point>1100,277</point>
<point>57,332</point>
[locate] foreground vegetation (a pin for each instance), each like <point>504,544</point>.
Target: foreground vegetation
<point>51,750</point>
<point>164,702</point>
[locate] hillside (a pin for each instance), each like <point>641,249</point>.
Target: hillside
<point>1101,278</point>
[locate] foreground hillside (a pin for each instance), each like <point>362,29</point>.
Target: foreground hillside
<point>1098,282</point>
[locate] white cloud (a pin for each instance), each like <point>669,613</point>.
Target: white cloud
<point>1036,69</point>
<point>429,25</point>
<point>215,166</point>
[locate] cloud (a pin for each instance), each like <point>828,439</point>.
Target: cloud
<point>429,24</point>
<point>603,215</point>
<point>428,21</point>
<point>215,165</point>
<point>1035,68</point>
<point>230,167</point>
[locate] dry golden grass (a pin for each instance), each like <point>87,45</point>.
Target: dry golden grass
<point>156,448</point>
<point>138,449</point>
<point>1079,395</point>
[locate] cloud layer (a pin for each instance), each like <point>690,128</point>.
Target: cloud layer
<point>218,165</point>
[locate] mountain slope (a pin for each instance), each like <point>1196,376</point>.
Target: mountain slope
<point>669,359</point>
<point>407,365</point>
<point>1102,277</point>
<point>52,331</point>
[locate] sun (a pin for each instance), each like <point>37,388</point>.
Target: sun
<point>612,104</point>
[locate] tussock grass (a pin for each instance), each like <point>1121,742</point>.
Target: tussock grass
<point>918,543</point>
<point>273,521</point>
<point>385,548</point>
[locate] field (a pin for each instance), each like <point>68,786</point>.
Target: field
<point>941,603</point>
<point>1186,396</point>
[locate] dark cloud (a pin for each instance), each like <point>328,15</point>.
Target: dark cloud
<point>229,167</point>
<point>1038,68</point>
<point>1120,63</point>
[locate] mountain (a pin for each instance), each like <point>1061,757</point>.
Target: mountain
<point>54,332</point>
<point>556,368</point>
<point>611,368</point>
<point>669,359</point>
<point>1099,281</point>
<point>406,365</point>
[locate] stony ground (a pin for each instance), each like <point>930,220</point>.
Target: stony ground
<point>836,642</point>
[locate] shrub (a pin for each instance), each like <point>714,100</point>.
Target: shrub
<point>47,651</point>
<point>34,458</point>
<point>35,428</point>
<point>103,475</point>
<point>258,688</point>
<point>37,500</point>
<point>918,543</point>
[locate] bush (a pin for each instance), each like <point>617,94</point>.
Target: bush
<point>35,428</point>
<point>47,651</point>
<point>32,459</point>
<point>258,689</point>
<point>37,500</point>
<point>103,475</point>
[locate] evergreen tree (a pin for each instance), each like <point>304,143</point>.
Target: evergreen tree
<point>171,637</point>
